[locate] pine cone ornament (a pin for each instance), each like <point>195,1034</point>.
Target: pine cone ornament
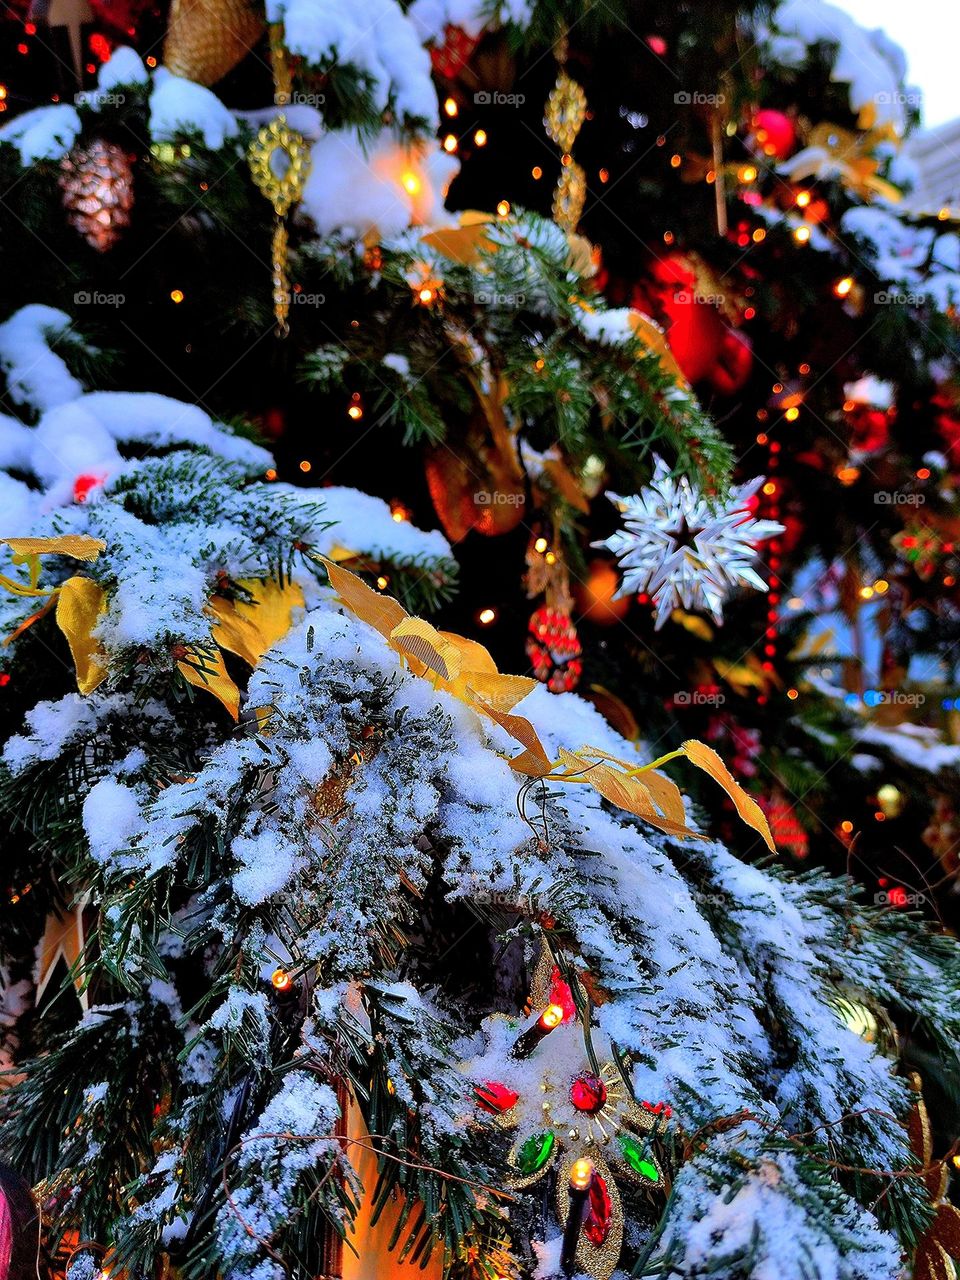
<point>206,39</point>
<point>97,185</point>
<point>553,648</point>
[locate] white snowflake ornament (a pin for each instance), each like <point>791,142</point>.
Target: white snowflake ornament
<point>681,550</point>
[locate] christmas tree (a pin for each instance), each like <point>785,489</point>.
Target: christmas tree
<point>428,429</point>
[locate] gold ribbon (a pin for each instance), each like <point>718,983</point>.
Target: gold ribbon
<point>832,152</point>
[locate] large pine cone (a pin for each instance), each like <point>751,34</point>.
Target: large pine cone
<point>97,184</point>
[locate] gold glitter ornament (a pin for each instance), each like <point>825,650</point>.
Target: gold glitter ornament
<point>97,184</point>
<point>563,115</point>
<point>206,39</point>
<point>570,196</point>
<point>565,112</point>
<point>279,159</point>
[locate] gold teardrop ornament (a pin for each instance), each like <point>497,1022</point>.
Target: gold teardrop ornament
<point>565,111</point>
<point>279,160</point>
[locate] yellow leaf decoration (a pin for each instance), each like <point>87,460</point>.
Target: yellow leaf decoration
<point>649,334</point>
<point>533,761</point>
<point>464,668</point>
<point>249,628</point>
<point>80,602</point>
<point>383,613</point>
<point>460,666</point>
<point>640,791</point>
<point>465,244</point>
<point>835,152</point>
<point>418,642</point>
<point>205,669</point>
<point>706,758</point>
<point>77,545</point>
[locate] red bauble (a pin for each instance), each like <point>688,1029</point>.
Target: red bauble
<point>450,58</point>
<point>870,429</point>
<point>122,15</point>
<point>775,133</point>
<point>496,1097</point>
<point>588,1093</point>
<point>734,365</point>
<point>695,331</point>
<point>594,597</point>
<point>597,1223</point>
<point>785,827</point>
<point>948,425</point>
<point>553,648</point>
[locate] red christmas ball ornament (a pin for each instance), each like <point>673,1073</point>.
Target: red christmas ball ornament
<point>122,15</point>
<point>450,58</point>
<point>869,429</point>
<point>588,1093</point>
<point>595,597</point>
<point>775,133</point>
<point>794,531</point>
<point>948,426</point>
<point>734,364</point>
<point>695,330</point>
<point>554,650</point>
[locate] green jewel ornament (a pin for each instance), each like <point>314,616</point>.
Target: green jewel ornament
<point>535,1152</point>
<point>635,1156</point>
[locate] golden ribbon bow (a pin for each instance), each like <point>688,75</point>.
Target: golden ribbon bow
<point>832,152</point>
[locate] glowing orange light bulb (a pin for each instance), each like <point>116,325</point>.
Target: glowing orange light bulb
<point>551,1017</point>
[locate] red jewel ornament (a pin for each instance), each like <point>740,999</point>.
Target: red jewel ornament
<point>588,1093</point>
<point>596,1226</point>
<point>495,1097</point>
